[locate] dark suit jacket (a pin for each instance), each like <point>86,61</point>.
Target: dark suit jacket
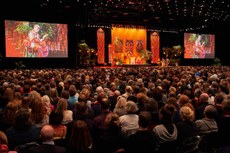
<point>43,148</point>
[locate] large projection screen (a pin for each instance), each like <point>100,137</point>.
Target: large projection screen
<point>199,46</point>
<point>25,39</point>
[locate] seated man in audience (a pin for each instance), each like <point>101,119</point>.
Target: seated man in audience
<point>47,146</point>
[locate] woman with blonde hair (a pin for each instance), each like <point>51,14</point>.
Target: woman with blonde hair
<point>129,121</point>
<point>183,100</point>
<point>48,106</point>
<point>120,106</point>
<point>128,91</point>
<point>186,127</point>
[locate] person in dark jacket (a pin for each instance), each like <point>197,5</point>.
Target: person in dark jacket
<point>47,145</point>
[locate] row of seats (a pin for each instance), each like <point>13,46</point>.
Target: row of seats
<point>207,143</point>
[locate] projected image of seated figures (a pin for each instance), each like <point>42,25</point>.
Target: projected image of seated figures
<point>25,39</point>
<point>36,46</point>
<point>199,46</point>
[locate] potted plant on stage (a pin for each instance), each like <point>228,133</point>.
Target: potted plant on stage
<point>88,56</point>
<point>118,61</point>
<point>172,54</point>
<point>144,56</point>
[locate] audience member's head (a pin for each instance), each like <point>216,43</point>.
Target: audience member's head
<point>145,119</point>
<point>186,113</point>
<point>25,102</point>
<point>81,109</point>
<point>183,100</point>
<point>22,119</point>
<point>210,112</point>
<point>219,98</point>
<point>121,101</point>
<point>47,133</point>
<point>3,143</point>
<point>80,137</point>
<point>47,104</point>
<point>166,113</point>
<point>128,89</point>
<point>172,100</point>
<point>55,118</point>
<point>112,122</point>
<point>99,89</point>
<point>82,97</point>
<point>61,105</point>
<point>131,107</point>
<point>72,90</point>
<point>203,98</point>
<point>105,103</point>
<point>65,94</point>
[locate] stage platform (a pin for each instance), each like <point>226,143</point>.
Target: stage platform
<point>125,65</point>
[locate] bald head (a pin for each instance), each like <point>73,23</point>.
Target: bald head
<point>47,133</point>
<point>203,98</point>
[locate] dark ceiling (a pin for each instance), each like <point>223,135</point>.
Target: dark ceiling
<point>154,14</point>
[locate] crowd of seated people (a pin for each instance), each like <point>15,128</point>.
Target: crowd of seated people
<point>111,110</point>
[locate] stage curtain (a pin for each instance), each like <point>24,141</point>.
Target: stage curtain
<point>100,46</point>
<point>155,47</point>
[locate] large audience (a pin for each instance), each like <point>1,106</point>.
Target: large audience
<point>110,110</point>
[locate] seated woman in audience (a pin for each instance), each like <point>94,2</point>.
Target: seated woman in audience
<point>62,109</point>
<point>129,121</point>
<point>60,130</point>
<point>8,118</point>
<point>73,97</point>
<point>4,144</point>
<point>38,116</point>
<point>183,100</point>
<point>80,140</point>
<point>22,131</point>
<point>81,112</point>
<point>120,106</point>
<point>166,131</point>
<point>54,97</point>
<point>112,139</point>
<point>25,103</point>
<point>48,106</point>
<point>186,127</point>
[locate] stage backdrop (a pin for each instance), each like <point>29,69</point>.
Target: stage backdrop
<point>128,46</point>
<point>100,46</point>
<point>155,47</point>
